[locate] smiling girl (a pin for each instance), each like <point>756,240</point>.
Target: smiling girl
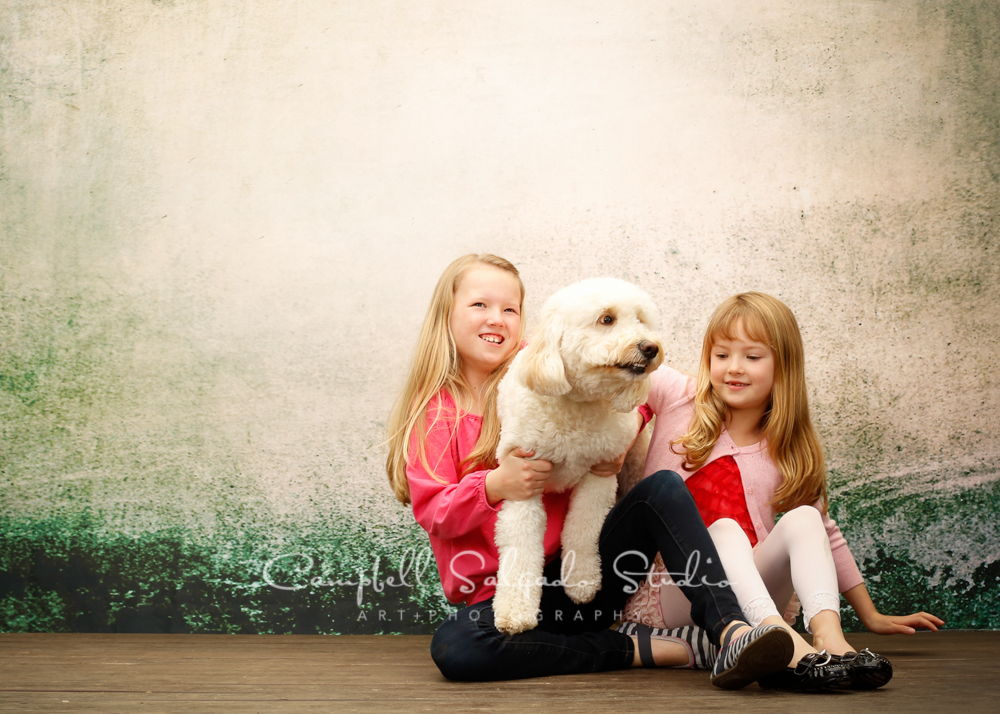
<point>742,438</point>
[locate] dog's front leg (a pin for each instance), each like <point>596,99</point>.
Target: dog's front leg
<point>520,539</point>
<point>592,498</point>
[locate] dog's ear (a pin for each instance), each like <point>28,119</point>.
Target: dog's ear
<point>543,371</point>
<point>631,396</point>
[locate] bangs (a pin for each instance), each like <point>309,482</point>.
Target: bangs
<point>727,326</point>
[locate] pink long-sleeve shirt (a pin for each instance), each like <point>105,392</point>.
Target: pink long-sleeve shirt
<point>454,510</point>
<point>671,398</point>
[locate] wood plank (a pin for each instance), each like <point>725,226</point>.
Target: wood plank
<point>301,673</point>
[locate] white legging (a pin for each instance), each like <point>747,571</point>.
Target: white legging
<point>795,556</point>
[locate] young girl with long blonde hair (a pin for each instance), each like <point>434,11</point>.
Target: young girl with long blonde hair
<point>443,434</point>
<point>742,437</point>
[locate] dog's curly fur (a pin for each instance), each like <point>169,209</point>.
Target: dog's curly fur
<point>569,396</point>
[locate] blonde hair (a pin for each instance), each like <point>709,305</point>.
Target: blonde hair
<point>436,366</point>
<point>792,442</point>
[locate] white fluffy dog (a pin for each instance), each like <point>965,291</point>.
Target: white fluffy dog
<point>569,396</point>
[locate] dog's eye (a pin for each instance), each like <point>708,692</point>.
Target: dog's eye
<point>607,320</point>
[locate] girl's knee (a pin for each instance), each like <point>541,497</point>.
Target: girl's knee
<point>729,536</point>
<point>804,519</point>
<point>448,649</point>
<point>662,485</point>
<point>460,651</point>
<point>727,528</point>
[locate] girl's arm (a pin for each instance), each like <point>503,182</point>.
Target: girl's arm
<point>848,572</point>
<point>449,505</point>
<point>445,503</point>
<point>853,588</point>
<point>448,509</point>
<point>878,623</point>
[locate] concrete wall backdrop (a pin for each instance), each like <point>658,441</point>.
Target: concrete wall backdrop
<point>220,223</point>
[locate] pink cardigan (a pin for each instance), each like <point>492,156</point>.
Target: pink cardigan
<point>671,398</point>
<point>454,511</point>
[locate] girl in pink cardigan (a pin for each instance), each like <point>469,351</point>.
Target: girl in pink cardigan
<point>742,439</point>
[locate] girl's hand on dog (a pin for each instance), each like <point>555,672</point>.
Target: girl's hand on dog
<point>613,467</point>
<point>517,478</point>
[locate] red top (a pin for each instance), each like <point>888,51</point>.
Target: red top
<point>454,511</point>
<point>718,492</point>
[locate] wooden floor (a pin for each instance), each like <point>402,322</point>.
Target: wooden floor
<point>946,671</point>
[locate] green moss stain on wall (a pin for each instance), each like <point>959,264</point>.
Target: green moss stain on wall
<point>63,575</point>
<point>32,608</point>
<point>938,553</point>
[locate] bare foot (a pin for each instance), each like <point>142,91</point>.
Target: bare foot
<point>827,633</point>
<point>665,653</point>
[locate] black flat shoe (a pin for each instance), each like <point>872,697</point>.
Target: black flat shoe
<point>868,670</point>
<point>816,672</point>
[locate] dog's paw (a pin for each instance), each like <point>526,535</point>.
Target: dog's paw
<point>515,609</point>
<point>583,581</point>
<point>583,591</point>
<point>513,623</point>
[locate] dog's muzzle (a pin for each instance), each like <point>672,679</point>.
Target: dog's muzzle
<point>648,350</point>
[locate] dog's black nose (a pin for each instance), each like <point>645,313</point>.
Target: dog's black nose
<point>649,349</point>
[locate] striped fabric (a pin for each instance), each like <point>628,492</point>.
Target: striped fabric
<point>701,652</point>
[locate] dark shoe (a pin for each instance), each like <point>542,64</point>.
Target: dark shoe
<point>756,653</point>
<point>816,672</point>
<point>868,670</point>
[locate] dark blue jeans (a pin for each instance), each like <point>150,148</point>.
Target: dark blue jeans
<point>657,515</point>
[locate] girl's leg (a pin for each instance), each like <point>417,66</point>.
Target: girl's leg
<point>738,558</point>
<point>796,554</point>
<point>674,607</point>
<point>799,550</point>
<point>568,640</point>
<point>659,514</point>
